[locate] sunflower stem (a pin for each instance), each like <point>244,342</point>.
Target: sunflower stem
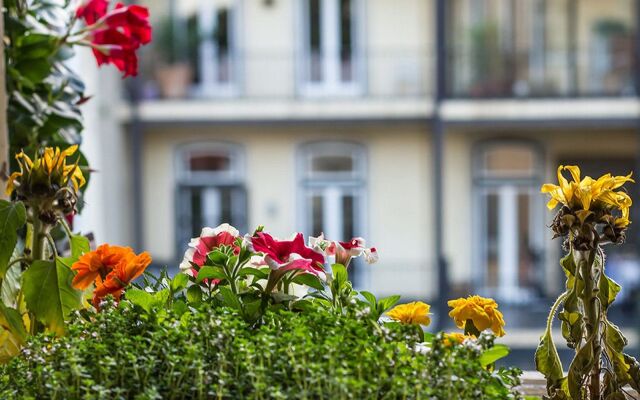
<point>590,272</point>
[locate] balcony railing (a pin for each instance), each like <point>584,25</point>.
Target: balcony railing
<point>282,75</point>
<point>605,71</point>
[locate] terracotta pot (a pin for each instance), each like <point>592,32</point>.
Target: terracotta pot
<point>174,80</point>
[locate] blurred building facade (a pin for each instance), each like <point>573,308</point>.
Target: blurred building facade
<point>318,116</point>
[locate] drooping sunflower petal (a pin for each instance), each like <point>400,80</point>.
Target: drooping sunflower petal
<point>574,170</point>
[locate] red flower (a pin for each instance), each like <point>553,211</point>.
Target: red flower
<point>209,240</point>
<point>91,11</point>
<point>287,255</point>
<point>116,35</point>
<point>112,47</point>
<point>133,20</point>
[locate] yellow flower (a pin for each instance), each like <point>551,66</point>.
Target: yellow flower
<point>587,194</point>
<point>48,169</point>
<point>482,312</point>
<point>452,338</point>
<point>411,313</point>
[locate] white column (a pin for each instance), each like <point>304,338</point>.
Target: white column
<point>332,213</point>
<point>508,242</point>
<point>330,43</point>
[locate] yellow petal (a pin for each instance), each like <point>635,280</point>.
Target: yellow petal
<point>621,180</point>
<point>574,170</point>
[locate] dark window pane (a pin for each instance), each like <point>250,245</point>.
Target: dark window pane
<point>317,215</point>
<point>348,218</point>
<point>196,212</point>
<point>332,164</point>
<point>315,41</point>
<point>226,205</point>
<point>223,45</point>
<point>209,162</point>
<point>346,38</point>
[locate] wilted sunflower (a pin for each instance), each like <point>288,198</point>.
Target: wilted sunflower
<point>588,202</point>
<point>47,182</point>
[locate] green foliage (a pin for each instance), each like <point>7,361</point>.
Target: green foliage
<point>43,93</point>
<point>12,217</point>
<point>211,352</point>
<point>49,294</point>
<point>589,293</point>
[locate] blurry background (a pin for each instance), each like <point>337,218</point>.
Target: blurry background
<point>425,126</point>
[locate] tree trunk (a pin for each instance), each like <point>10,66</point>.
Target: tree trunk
<point>4,133</point>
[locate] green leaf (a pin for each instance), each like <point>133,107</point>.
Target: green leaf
<point>79,246</point>
<point>370,297</point>
<point>579,368</point>
<point>179,282</point>
<point>614,342</point>
<point>35,70</point>
<point>209,272</point>
<point>387,302</point>
<point>12,320</point>
<point>146,300</point>
<point>229,299</point>
<point>180,307</point>
<point>310,280</point>
<point>548,361</point>
<point>12,217</point>
<point>609,289</point>
<point>258,273</point>
<point>217,257</point>
<point>340,275</point>
<point>11,285</point>
<point>49,294</point>
<point>141,298</point>
<point>194,294</point>
<point>634,371</point>
<point>493,354</point>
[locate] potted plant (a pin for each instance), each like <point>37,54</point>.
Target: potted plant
<point>174,71</point>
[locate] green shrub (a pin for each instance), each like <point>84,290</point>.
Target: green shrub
<point>212,353</point>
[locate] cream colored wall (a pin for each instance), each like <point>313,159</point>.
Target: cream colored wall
<point>107,210</point>
<point>457,207</point>
<point>268,46</point>
<point>400,46</point>
<point>398,213</point>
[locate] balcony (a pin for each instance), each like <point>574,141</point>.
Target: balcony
<point>538,49</point>
<point>278,85</point>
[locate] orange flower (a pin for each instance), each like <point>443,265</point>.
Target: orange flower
<point>111,268</point>
<point>97,263</point>
<point>122,274</point>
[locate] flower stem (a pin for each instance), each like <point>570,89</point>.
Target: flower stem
<point>590,273</point>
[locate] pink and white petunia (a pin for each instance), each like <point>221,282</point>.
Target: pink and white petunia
<point>209,240</point>
<point>344,251</point>
<point>287,255</point>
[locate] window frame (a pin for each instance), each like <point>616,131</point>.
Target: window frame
<point>331,87</point>
<point>482,185</point>
<point>186,180</point>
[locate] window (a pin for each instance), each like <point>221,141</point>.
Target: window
<point>331,63</point>
<point>502,48</point>
<point>509,230</point>
<point>332,195</point>
<point>210,189</point>
<point>217,56</point>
